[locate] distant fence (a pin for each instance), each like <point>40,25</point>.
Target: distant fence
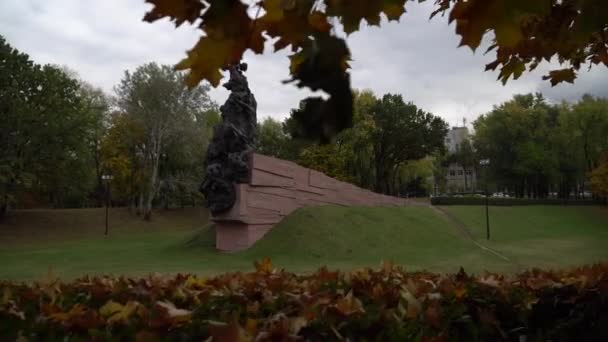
<point>500,201</point>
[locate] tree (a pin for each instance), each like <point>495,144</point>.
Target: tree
<point>517,137</point>
<point>524,33</point>
<point>271,140</point>
<point>599,178</point>
<point>401,132</point>
<point>327,159</point>
<point>157,101</point>
<point>537,149</point>
<point>44,120</point>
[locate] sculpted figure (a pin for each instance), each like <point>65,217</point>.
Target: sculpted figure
<point>228,157</point>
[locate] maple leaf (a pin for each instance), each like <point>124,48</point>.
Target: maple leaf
<point>179,11</point>
<point>351,14</point>
<point>115,312</point>
<point>224,44</point>
<point>349,305</point>
<point>263,266</point>
<point>562,75</point>
<point>206,66</point>
<point>195,282</point>
<point>291,22</point>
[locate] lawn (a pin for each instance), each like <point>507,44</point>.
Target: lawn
<point>543,236</point>
<point>71,242</point>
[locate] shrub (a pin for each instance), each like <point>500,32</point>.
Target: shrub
<point>507,201</point>
<point>270,305</point>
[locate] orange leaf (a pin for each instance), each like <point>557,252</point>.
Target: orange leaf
<point>349,305</point>
<point>263,266</point>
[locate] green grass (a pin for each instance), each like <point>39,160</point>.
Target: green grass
<point>183,242</point>
<point>543,236</point>
<point>71,242</point>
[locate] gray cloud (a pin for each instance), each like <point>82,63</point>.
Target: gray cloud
<point>415,57</point>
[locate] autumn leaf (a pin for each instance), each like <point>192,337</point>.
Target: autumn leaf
<point>414,306</point>
<point>206,66</point>
<point>558,76</point>
<point>264,265</point>
<point>460,292</point>
<point>117,313</point>
<point>351,14</point>
<point>177,10</point>
<point>349,305</point>
<point>176,315</point>
<point>194,282</point>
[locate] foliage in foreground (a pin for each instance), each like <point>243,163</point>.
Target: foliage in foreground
<point>383,304</point>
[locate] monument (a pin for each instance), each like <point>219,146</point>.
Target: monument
<point>249,193</point>
<point>228,157</point>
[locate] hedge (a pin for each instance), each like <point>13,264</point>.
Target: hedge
<point>498,201</point>
<point>272,305</point>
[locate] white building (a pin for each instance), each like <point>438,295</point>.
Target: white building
<point>457,179</point>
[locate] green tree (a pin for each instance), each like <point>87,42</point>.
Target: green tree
<point>599,179</point>
<point>327,159</point>
<point>158,102</point>
<point>44,122</point>
<point>401,132</point>
<point>272,140</point>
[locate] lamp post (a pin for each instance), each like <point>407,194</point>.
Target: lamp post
<point>486,162</point>
<point>107,179</point>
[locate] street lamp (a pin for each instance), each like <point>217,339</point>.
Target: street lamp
<point>486,162</point>
<point>106,179</point>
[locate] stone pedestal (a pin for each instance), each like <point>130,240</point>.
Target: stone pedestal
<point>278,187</point>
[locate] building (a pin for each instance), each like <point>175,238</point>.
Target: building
<point>457,179</point>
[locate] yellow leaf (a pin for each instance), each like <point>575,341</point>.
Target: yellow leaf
<point>116,312</point>
<point>460,292</point>
<point>6,295</point>
<point>251,326</point>
<point>195,282</point>
<point>207,58</point>
<point>264,266</point>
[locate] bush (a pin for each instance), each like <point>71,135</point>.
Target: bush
<point>498,201</point>
<point>271,305</point>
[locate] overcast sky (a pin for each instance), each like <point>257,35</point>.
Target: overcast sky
<point>417,58</point>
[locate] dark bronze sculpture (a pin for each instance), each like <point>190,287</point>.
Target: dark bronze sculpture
<point>229,154</point>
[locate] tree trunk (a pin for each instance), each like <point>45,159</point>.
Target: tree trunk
<point>152,184</point>
<point>3,209</point>
<point>466,185</point>
<point>140,204</point>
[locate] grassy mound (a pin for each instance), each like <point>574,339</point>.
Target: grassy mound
<point>71,242</point>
